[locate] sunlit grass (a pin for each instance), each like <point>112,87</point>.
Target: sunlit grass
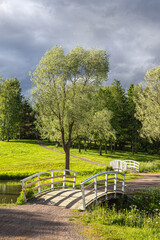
<point>23,158</point>
<point>149,163</point>
<point>19,159</point>
<point>133,218</point>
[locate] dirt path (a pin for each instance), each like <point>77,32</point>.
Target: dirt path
<point>85,159</point>
<point>147,180</point>
<point>37,222</point>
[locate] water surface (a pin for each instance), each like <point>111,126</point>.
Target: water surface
<point>9,191</point>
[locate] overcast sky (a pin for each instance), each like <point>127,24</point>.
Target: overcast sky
<point>128,30</point>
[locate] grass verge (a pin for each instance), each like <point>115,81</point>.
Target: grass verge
<point>134,218</point>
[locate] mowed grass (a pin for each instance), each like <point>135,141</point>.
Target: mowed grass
<point>149,163</point>
<point>19,159</point>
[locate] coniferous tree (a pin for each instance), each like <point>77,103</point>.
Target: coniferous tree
<point>27,128</point>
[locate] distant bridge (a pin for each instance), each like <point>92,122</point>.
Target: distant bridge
<point>62,192</point>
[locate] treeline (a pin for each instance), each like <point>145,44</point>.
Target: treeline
<point>126,129</point>
<point>17,118</point>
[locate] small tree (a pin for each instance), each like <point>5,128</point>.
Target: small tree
<point>27,128</point>
<point>101,127</point>
<point>64,87</point>
<point>114,99</point>
<point>10,106</point>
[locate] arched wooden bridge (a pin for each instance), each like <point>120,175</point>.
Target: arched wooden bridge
<point>62,192</point>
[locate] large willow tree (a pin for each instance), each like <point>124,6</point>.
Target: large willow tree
<point>148,104</point>
<point>64,90</point>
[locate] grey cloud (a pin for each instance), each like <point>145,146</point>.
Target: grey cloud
<point>128,30</point>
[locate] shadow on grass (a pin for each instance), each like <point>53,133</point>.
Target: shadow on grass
<point>27,141</point>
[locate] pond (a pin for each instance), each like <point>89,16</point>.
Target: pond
<point>9,191</point>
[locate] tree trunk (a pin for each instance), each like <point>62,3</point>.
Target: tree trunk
<point>105,147</point>
<point>67,157</point>
<point>95,145</point>
<point>111,148</point>
<point>85,148</point>
<point>133,148</point>
<point>79,146</point>
<point>100,148</point>
<point>8,135</point>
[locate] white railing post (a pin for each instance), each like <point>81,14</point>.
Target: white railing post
<point>95,187</point>
<point>74,180</point>
<point>115,185</point>
<point>106,185</point>
<point>64,178</point>
<point>83,197</point>
<point>39,184</point>
<point>123,184</point>
<point>23,189</point>
<point>52,175</point>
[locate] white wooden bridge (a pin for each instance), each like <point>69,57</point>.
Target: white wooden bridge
<point>60,193</point>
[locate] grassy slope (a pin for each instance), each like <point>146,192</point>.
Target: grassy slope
<point>22,158</point>
<point>148,162</point>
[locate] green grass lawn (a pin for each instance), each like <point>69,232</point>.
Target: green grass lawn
<point>23,158</point>
<point>19,159</point>
<point>130,218</point>
<point>149,163</point>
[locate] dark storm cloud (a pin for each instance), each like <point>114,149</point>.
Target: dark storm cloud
<point>128,30</point>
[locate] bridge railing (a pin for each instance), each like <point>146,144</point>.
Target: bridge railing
<point>102,184</point>
<point>119,165</point>
<point>131,164</point>
<point>39,182</point>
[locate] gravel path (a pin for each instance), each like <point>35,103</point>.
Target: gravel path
<point>37,222</point>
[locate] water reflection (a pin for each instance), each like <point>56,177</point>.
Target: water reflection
<point>9,191</point>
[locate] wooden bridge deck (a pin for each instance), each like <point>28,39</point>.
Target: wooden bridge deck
<point>68,198</point>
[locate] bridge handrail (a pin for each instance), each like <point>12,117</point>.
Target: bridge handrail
<point>96,175</point>
<point>47,178</point>
<point>123,165</point>
<point>105,185</point>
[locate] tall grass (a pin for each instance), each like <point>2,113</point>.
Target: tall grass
<point>137,215</point>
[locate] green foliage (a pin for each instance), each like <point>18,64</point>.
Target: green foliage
<point>114,98</point>
<point>148,105</point>
<point>133,124</point>
<point>64,90</point>
<point>127,217</point>
<point>21,200</point>
<point>27,129</point>
<point>10,106</point>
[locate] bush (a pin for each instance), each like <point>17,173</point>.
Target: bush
<point>21,200</point>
